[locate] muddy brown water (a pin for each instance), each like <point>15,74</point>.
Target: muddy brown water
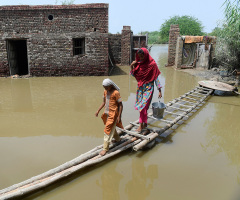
<point>48,121</point>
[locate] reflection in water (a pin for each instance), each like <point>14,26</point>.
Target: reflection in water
<point>109,183</point>
<point>21,95</point>
<point>142,180</point>
<point>224,126</point>
<point>48,121</point>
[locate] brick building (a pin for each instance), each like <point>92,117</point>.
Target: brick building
<point>190,51</point>
<point>54,40</point>
<point>60,40</point>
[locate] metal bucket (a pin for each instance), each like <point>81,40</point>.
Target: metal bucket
<point>158,109</point>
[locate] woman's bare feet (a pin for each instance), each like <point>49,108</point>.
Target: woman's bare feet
<point>140,127</point>
<point>103,152</point>
<point>145,125</point>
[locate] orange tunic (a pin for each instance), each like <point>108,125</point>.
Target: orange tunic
<point>111,110</point>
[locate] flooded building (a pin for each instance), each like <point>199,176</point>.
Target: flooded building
<point>190,51</point>
<point>60,40</point>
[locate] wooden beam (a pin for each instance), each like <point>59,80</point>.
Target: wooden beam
<point>134,134</point>
<point>164,120</point>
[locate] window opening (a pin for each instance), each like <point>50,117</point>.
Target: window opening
<point>78,46</point>
<point>50,17</point>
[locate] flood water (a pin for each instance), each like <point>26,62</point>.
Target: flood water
<point>46,122</point>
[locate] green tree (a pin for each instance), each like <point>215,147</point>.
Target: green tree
<point>66,2</point>
<point>228,40</point>
<point>188,26</point>
<point>153,37</point>
<point>215,32</point>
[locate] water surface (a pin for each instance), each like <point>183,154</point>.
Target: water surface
<point>48,121</point>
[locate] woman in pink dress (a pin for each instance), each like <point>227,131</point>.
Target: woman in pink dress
<point>146,72</point>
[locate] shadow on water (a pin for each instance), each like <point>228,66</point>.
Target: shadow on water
<point>116,70</point>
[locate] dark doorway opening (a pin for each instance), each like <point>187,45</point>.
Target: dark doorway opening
<point>17,57</point>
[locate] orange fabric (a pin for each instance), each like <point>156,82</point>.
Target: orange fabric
<point>113,111</point>
<point>193,39</point>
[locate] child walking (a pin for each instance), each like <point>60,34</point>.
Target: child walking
<point>112,113</point>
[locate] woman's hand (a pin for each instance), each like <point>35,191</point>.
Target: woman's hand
<point>160,93</point>
<point>133,64</point>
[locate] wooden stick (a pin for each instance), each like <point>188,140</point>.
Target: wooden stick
<point>204,88</point>
<point>134,134</point>
<point>195,95</point>
<point>182,105</point>
<point>189,102</point>
<point>164,120</point>
<point>236,92</point>
<point>178,108</point>
<point>141,144</point>
<point>190,98</point>
<point>172,113</point>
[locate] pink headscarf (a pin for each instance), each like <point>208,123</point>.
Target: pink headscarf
<point>147,70</point>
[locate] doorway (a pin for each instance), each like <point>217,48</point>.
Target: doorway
<point>17,57</point>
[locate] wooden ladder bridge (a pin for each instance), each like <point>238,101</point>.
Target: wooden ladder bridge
<point>178,109</point>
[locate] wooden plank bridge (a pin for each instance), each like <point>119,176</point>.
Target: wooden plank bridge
<point>178,109</point>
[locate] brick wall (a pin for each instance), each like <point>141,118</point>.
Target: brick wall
<point>173,35</point>
<point>49,32</point>
<point>126,45</point>
<point>115,48</point>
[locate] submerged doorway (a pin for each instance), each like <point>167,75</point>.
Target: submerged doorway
<point>17,57</point>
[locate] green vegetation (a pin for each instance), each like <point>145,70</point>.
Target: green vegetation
<point>228,36</point>
<point>215,32</point>
<point>188,26</point>
<point>153,37</point>
<point>66,2</point>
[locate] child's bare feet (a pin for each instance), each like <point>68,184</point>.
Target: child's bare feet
<point>103,152</point>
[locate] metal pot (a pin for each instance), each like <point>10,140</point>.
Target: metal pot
<point>158,109</point>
